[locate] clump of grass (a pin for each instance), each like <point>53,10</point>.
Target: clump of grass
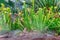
<point>42,20</point>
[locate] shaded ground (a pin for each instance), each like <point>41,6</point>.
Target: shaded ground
<point>29,36</point>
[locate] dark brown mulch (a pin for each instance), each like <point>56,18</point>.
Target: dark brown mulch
<point>30,36</point>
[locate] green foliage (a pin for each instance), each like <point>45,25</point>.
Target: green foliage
<point>47,4</point>
<point>42,20</point>
<point>3,1</point>
<point>13,23</point>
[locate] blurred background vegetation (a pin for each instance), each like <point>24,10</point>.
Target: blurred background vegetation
<point>18,4</point>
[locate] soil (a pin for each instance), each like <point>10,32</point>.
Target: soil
<point>29,36</point>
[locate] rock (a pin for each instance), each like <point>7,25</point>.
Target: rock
<point>4,36</point>
<point>3,32</point>
<point>7,34</point>
<point>14,33</point>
